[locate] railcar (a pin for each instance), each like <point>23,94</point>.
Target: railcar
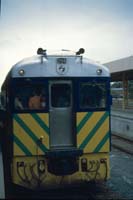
<point>67,139</point>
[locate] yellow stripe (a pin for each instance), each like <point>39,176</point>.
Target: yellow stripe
<point>18,151</point>
<point>105,148</point>
<point>35,127</point>
<point>24,138</point>
<point>88,126</point>
<point>44,118</point>
<point>80,116</point>
<point>101,132</point>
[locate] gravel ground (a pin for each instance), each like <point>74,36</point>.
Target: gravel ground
<point>121,180</point>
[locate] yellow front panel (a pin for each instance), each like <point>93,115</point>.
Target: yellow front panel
<point>25,171</point>
<point>93,131</point>
<point>31,134</point>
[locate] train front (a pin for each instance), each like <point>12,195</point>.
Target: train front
<point>60,121</point>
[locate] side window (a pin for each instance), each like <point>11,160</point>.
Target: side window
<point>92,95</point>
<point>30,98</point>
<point>61,95</point>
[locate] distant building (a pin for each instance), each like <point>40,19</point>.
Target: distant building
<point>122,70</point>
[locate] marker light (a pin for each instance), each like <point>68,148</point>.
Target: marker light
<point>99,71</point>
<point>21,72</point>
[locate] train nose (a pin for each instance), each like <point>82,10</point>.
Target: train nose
<point>63,162</point>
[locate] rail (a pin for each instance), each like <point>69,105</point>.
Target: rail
<point>122,144</point>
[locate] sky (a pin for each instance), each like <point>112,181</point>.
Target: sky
<point>104,28</point>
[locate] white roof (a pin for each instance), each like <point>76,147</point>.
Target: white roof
<point>47,66</point>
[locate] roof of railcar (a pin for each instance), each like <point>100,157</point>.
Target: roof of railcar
<point>47,66</point>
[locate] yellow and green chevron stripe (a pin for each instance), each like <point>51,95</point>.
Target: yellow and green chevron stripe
<point>93,131</point>
<point>27,130</point>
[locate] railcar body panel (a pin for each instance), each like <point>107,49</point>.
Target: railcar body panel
<point>27,175</point>
<point>67,139</point>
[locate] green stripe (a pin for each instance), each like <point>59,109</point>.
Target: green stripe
<point>40,122</point>
<point>93,131</point>
<point>101,144</point>
<point>22,146</point>
<point>29,132</point>
<point>83,121</point>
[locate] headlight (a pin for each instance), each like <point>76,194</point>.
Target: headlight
<point>99,71</point>
<point>21,72</point>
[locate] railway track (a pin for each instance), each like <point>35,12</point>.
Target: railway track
<point>122,144</point>
<point>84,191</point>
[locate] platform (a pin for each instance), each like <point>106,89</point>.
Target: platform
<point>122,123</point>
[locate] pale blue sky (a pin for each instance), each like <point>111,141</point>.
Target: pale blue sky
<point>103,27</point>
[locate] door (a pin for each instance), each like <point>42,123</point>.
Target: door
<point>60,104</point>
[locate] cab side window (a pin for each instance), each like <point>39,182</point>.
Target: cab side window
<point>30,98</point>
<point>92,95</point>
